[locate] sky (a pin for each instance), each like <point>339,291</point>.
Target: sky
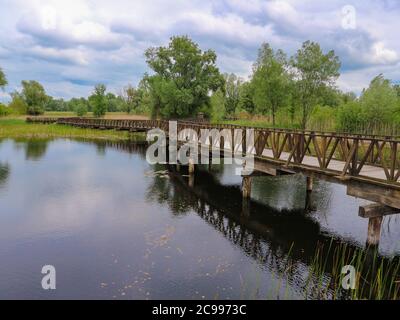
<point>69,46</point>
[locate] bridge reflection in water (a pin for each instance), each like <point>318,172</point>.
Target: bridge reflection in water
<point>367,164</point>
<point>289,242</point>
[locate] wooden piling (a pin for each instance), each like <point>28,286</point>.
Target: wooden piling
<point>374,231</point>
<point>191,166</point>
<point>310,182</point>
<point>246,207</point>
<point>246,187</point>
<point>191,180</point>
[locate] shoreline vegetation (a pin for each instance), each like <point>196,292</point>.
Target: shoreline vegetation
<point>17,127</point>
<point>299,91</point>
<point>377,277</point>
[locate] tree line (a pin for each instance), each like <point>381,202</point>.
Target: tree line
<point>33,100</point>
<point>298,91</point>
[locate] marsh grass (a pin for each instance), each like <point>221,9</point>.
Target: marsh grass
<point>327,124</point>
<point>377,277</point>
<point>18,128</point>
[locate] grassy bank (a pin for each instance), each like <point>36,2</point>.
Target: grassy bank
<point>18,128</point>
<point>108,115</point>
<point>318,122</point>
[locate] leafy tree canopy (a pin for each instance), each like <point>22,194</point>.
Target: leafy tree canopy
<point>184,77</point>
<point>313,71</point>
<point>34,96</point>
<point>270,80</point>
<point>3,79</point>
<point>379,101</point>
<point>98,100</point>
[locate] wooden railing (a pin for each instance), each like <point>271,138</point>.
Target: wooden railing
<point>369,157</point>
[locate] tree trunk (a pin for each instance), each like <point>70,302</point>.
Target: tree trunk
<point>304,119</point>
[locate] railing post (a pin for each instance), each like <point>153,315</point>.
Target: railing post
<point>353,169</point>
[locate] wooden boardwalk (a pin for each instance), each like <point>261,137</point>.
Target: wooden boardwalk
<point>369,165</point>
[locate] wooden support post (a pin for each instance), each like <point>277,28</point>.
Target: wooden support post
<point>308,205</point>
<point>246,207</point>
<point>376,210</point>
<point>374,231</point>
<point>191,166</point>
<point>246,187</point>
<point>191,180</point>
<point>310,181</point>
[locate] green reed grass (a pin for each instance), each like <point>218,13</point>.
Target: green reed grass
<point>18,128</point>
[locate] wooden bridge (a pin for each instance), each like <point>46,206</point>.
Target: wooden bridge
<point>367,164</point>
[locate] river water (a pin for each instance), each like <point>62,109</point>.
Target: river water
<point>116,227</point>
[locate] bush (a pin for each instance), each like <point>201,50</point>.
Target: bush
<point>81,110</point>
<point>18,105</point>
<point>322,118</point>
<point>217,102</point>
<point>4,111</point>
<point>35,110</point>
<point>350,117</point>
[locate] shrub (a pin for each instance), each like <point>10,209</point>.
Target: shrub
<point>35,110</point>
<point>322,118</point>
<point>4,111</point>
<point>81,110</point>
<point>18,105</point>
<point>350,117</point>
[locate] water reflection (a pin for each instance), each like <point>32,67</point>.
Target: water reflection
<point>278,238</point>
<point>4,173</point>
<point>35,149</point>
<point>284,238</point>
<point>112,222</point>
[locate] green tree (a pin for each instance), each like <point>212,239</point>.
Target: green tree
<point>17,104</point>
<point>217,102</point>
<point>348,97</point>
<point>132,98</point>
<point>232,92</point>
<point>331,97</point>
<point>397,88</point>
<point>56,105</point>
<point>76,103</point>
<point>4,111</point>
<point>246,102</point>
<point>34,96</point>
<point>3,79</point>
<point>314,71</point>
<point>81,109</point>
<point>379,101</point>
<point>350,117</point>
<point>270,80</point>
<point>184,77</point>
<point>114,103</point>
<point>98,100</point>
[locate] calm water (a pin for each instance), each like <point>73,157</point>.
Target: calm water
<point>116,227</point>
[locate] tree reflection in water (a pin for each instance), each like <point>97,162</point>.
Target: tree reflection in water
<point>288,241</point>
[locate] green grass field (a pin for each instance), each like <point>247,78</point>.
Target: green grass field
<point>108,115</point>
<point>18,128</point>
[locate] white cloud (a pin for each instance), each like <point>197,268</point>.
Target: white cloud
<point>58,25</point>
<point>69,45</point>
<point>230,28</point>
<point>53,54</point>
<point>382,55</point>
